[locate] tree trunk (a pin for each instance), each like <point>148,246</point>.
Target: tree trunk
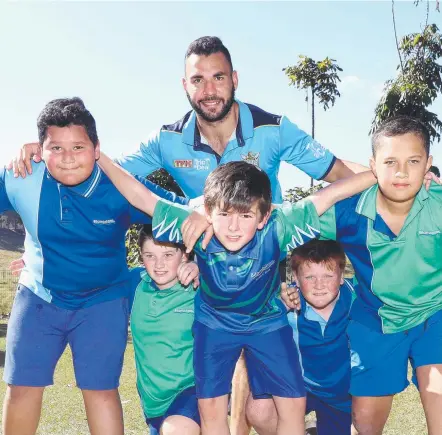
<point>313,124</point>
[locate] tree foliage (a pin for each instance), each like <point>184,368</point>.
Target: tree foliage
<point>418,82</point>
<point>298,193</point>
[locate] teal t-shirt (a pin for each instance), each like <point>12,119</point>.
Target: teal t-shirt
<point>161,325</point>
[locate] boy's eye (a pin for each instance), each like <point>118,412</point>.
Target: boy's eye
<point>414,161</point>
<point>56,148</point>
<point>78,147</point>
<point>219,78</point>
<point>389,162</point>
<point>222,213</point>
<point>169,255</point>
<point>246,215</point>
<point>197,81</point>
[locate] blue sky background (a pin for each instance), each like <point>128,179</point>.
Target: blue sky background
<point>125,60</point>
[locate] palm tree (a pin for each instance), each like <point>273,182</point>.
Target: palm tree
<point>320,78</point>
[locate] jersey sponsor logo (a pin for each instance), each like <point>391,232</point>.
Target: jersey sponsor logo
<point>263,270</point>
<point>429,233</point>
<point>201,164</point>
<point>252,158</point>
<point>103,222</point>
<point>183,163</point>
<point>316,149</point>
<point>183,310</point>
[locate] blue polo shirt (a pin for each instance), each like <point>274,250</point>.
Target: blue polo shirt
<point>239,290</point>
<point>261,138</point>
<point>324,351</point>
<point>75,252</point>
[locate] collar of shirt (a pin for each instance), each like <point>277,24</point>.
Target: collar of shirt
<point>367,207</point>
<point>87,187</point>
<point>244,129</point>
<point>251,250</point>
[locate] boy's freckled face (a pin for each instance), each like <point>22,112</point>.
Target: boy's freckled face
<point>400,165</point>
<point>233,229</point>
<point>161,262</point>
<point>319,283</point>
<point>69,154</point>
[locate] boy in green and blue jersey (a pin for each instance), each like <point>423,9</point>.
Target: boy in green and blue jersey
<point>161,323</point>
<point>237,306</point>
<point>392,233</point>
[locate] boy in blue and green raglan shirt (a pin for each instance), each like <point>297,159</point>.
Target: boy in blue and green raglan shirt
<point>237,306</point>
<point>75,221</point>
<point>319,332</point>
<point>162,316</point>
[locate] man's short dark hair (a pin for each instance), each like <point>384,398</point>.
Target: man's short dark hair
<point>236,186</point>
<point>399,125</point>
<point>316,251</point>
<point>207,45</point>
<point>64,112</point>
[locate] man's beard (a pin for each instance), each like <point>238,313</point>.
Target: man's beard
<point>208,117</point>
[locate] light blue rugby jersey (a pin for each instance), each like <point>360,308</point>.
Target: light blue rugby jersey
<point>261,138</point>
<point>75,252</point>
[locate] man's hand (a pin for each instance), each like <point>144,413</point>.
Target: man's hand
<point>22,163</point>
<point>290,297</point>
<point>17,266</point>
<point>192,229</point>
<point>429,177</point>
<point>188,272</point>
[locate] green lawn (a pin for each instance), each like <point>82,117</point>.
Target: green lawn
<point>63,412</point>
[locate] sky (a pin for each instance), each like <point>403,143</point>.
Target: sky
<point>125,60</point>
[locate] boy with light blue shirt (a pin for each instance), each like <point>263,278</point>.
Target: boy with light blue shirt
<point>319,332</point>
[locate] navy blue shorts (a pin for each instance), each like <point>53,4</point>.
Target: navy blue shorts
<point>329,420</point>
<point>379,362</point>
<point>272,362</point>
<point>38,333</point>
<point>185,404</point>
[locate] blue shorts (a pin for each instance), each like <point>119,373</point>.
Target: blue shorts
<point>379,362</point>
<point>272,362</point>
<point>329,420</point>
<point>38,333</point>
<point>185,404</point>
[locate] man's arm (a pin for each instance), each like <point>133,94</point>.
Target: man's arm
<point>343,169</point>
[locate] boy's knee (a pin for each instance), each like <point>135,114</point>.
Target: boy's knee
<point>18,393</point>
<point>366,423</point>
<point>259,412</point>
<point>212,408</point>
<point>179,425</point>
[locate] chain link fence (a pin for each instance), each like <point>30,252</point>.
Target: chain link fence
<point>8,284</point>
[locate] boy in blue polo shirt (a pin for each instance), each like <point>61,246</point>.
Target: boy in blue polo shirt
<point>237,306</point>
<point>75,223</point>
<point>319,331</point>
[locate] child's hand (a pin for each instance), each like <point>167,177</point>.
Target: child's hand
<point>429,177</point>
<point>290,296</point>
<point>192,229</point>
<point>188,272</point>
<point>17,266</point>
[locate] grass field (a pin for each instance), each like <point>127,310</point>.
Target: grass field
<point>63,412</point>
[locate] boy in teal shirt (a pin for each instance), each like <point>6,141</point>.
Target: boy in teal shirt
<point>161,323</point>
<point>237,306</point>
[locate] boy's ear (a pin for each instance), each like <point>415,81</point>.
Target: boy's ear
<point>342,278</point>
<point>429,163</point>
<point>208,215</point>
<point>372,164</point>
<point>264,220</point>
<point>97,151</point>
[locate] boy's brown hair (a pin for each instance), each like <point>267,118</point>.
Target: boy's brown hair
<point>316,251</point>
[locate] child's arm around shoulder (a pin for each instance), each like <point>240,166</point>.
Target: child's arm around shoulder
<point>341,189</point>
<point>134,191</point>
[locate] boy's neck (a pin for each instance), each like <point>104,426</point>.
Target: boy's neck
<point>166,286</point>
<point>393,213</point>
<point>327,311</point>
